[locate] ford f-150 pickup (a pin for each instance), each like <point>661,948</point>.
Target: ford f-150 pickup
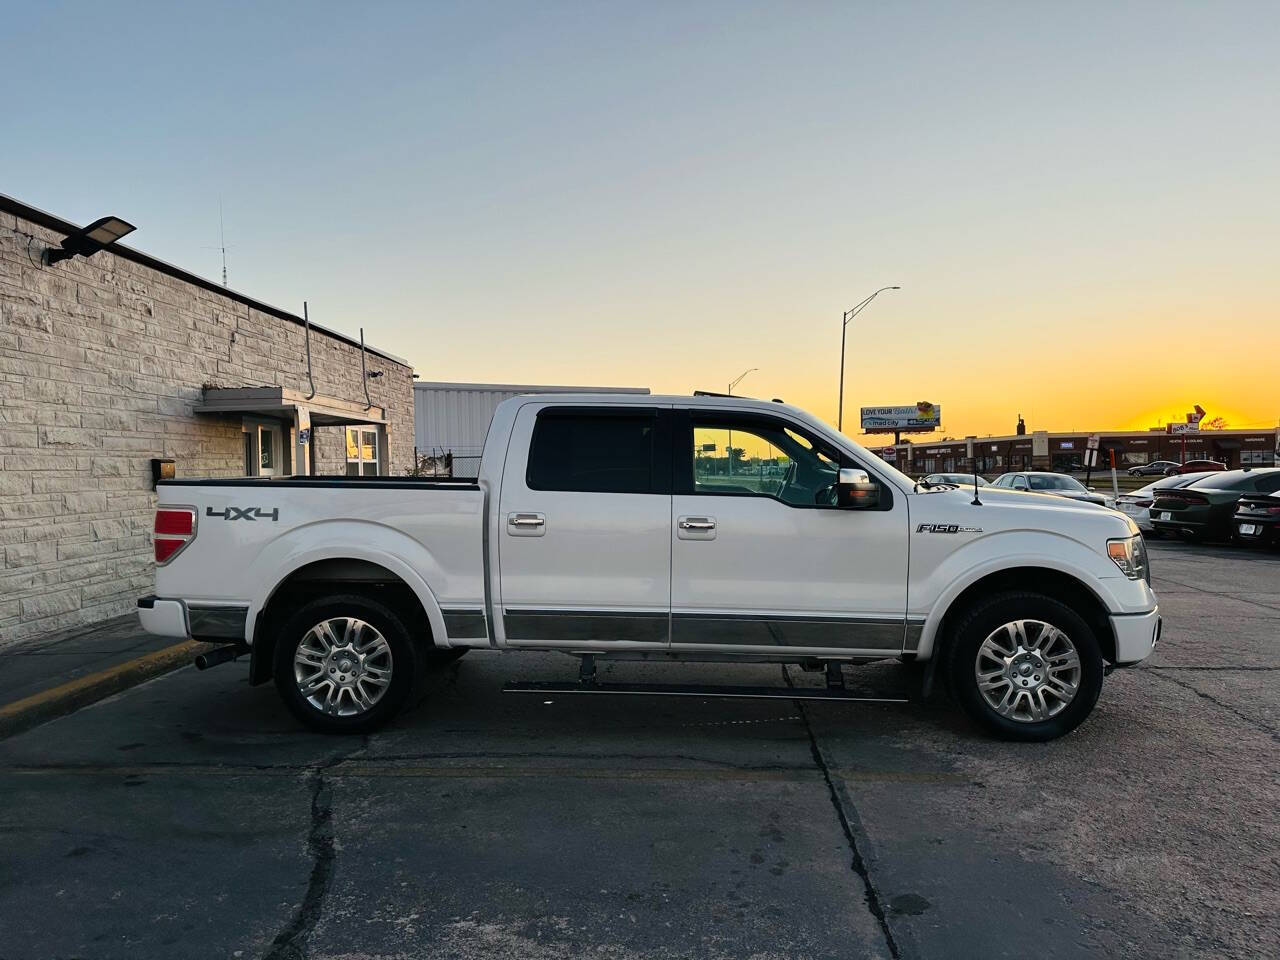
<point>699,528</point>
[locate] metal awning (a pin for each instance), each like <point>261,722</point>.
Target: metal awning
<point>281,402</point>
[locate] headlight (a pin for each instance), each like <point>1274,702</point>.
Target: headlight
<point>1130,555</point>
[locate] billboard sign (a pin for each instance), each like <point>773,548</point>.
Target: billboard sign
<point>919,418</point>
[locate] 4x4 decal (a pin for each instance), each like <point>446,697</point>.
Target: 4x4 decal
<point>244,513</point>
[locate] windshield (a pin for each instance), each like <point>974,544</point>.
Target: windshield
<point>1051,481</point>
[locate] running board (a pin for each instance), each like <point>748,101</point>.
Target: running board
<point>696,690</point>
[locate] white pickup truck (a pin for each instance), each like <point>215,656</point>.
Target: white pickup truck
<point>673,528</point>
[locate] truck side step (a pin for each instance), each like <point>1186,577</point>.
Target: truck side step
<point>696,690</point>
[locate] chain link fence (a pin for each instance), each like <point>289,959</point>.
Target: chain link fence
<point>446,464</point>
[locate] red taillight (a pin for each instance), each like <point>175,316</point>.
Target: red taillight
<point>166,548</point>
<point>1274,511</point>
<point>175,528</point>
<point>178,523</point>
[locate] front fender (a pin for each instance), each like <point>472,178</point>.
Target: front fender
<point>934,591</point>
<point>341,540</point>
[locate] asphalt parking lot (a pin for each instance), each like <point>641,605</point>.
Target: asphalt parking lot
<point>191,817</point>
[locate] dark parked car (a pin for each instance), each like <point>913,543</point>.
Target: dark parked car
<point>1156,468</point>
<point>1206,510</point>
<point>1058,484</point>
<point>1258,519</point>
<point>1195,466</point>
<point>1137,503</point>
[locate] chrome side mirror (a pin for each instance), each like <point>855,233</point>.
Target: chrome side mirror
<point>855,490</point>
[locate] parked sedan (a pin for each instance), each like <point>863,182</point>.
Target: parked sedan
<point>957,478</point>
<point>1057,484</point>
<point>1258,519</point>
<point>1206,508</point>
<point>1156,468</point>
<point>1195,466</point>
<point>1137,503</point>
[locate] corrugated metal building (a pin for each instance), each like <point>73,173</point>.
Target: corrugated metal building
<point>453,418</point>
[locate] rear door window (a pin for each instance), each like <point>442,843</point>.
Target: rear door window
<point>596,452</point>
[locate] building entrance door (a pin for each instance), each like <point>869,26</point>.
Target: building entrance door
<point>270,460</point>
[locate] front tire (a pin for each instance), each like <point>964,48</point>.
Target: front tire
<point>1025,666</point>
<point>344,664</point>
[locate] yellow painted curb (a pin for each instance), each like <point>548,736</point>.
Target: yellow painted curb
<point>71,696</point>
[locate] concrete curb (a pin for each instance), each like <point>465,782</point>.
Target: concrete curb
<point>69,697</point>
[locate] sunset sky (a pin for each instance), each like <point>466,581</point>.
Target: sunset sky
<point>1081,202</point>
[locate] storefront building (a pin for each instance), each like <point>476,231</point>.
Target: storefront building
<point>1065,452</point>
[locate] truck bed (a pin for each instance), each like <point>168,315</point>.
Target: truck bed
<point>253,534</point>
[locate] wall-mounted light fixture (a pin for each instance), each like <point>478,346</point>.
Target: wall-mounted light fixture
<point>87,241</point>
<point>162,470</point>
<point>374,374</point>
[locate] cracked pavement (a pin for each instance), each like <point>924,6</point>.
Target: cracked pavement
<point>191,817</point>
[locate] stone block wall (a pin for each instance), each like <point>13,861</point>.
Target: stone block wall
<point>102,361</point>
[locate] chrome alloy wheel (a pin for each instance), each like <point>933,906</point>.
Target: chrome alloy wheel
<point>343,666</point>
<point>1028,670</point>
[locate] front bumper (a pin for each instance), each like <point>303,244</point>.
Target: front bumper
<point>1136,635</point>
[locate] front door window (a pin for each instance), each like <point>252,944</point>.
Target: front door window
<point>765,459</point>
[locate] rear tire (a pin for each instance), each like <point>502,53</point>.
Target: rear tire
<point>345,664</point>
<point>1025,666</point>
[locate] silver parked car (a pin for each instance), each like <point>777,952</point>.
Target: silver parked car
<point>1057,484</point>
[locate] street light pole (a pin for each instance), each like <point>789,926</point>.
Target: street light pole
<point>729,451</point>
<point>844,326</point>
<point>735,382</point>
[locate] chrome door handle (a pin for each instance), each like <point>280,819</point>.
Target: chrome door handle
<point>526,520</point>
<point>697,523</point>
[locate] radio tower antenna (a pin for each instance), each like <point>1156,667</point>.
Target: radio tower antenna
<point>222,242</point>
